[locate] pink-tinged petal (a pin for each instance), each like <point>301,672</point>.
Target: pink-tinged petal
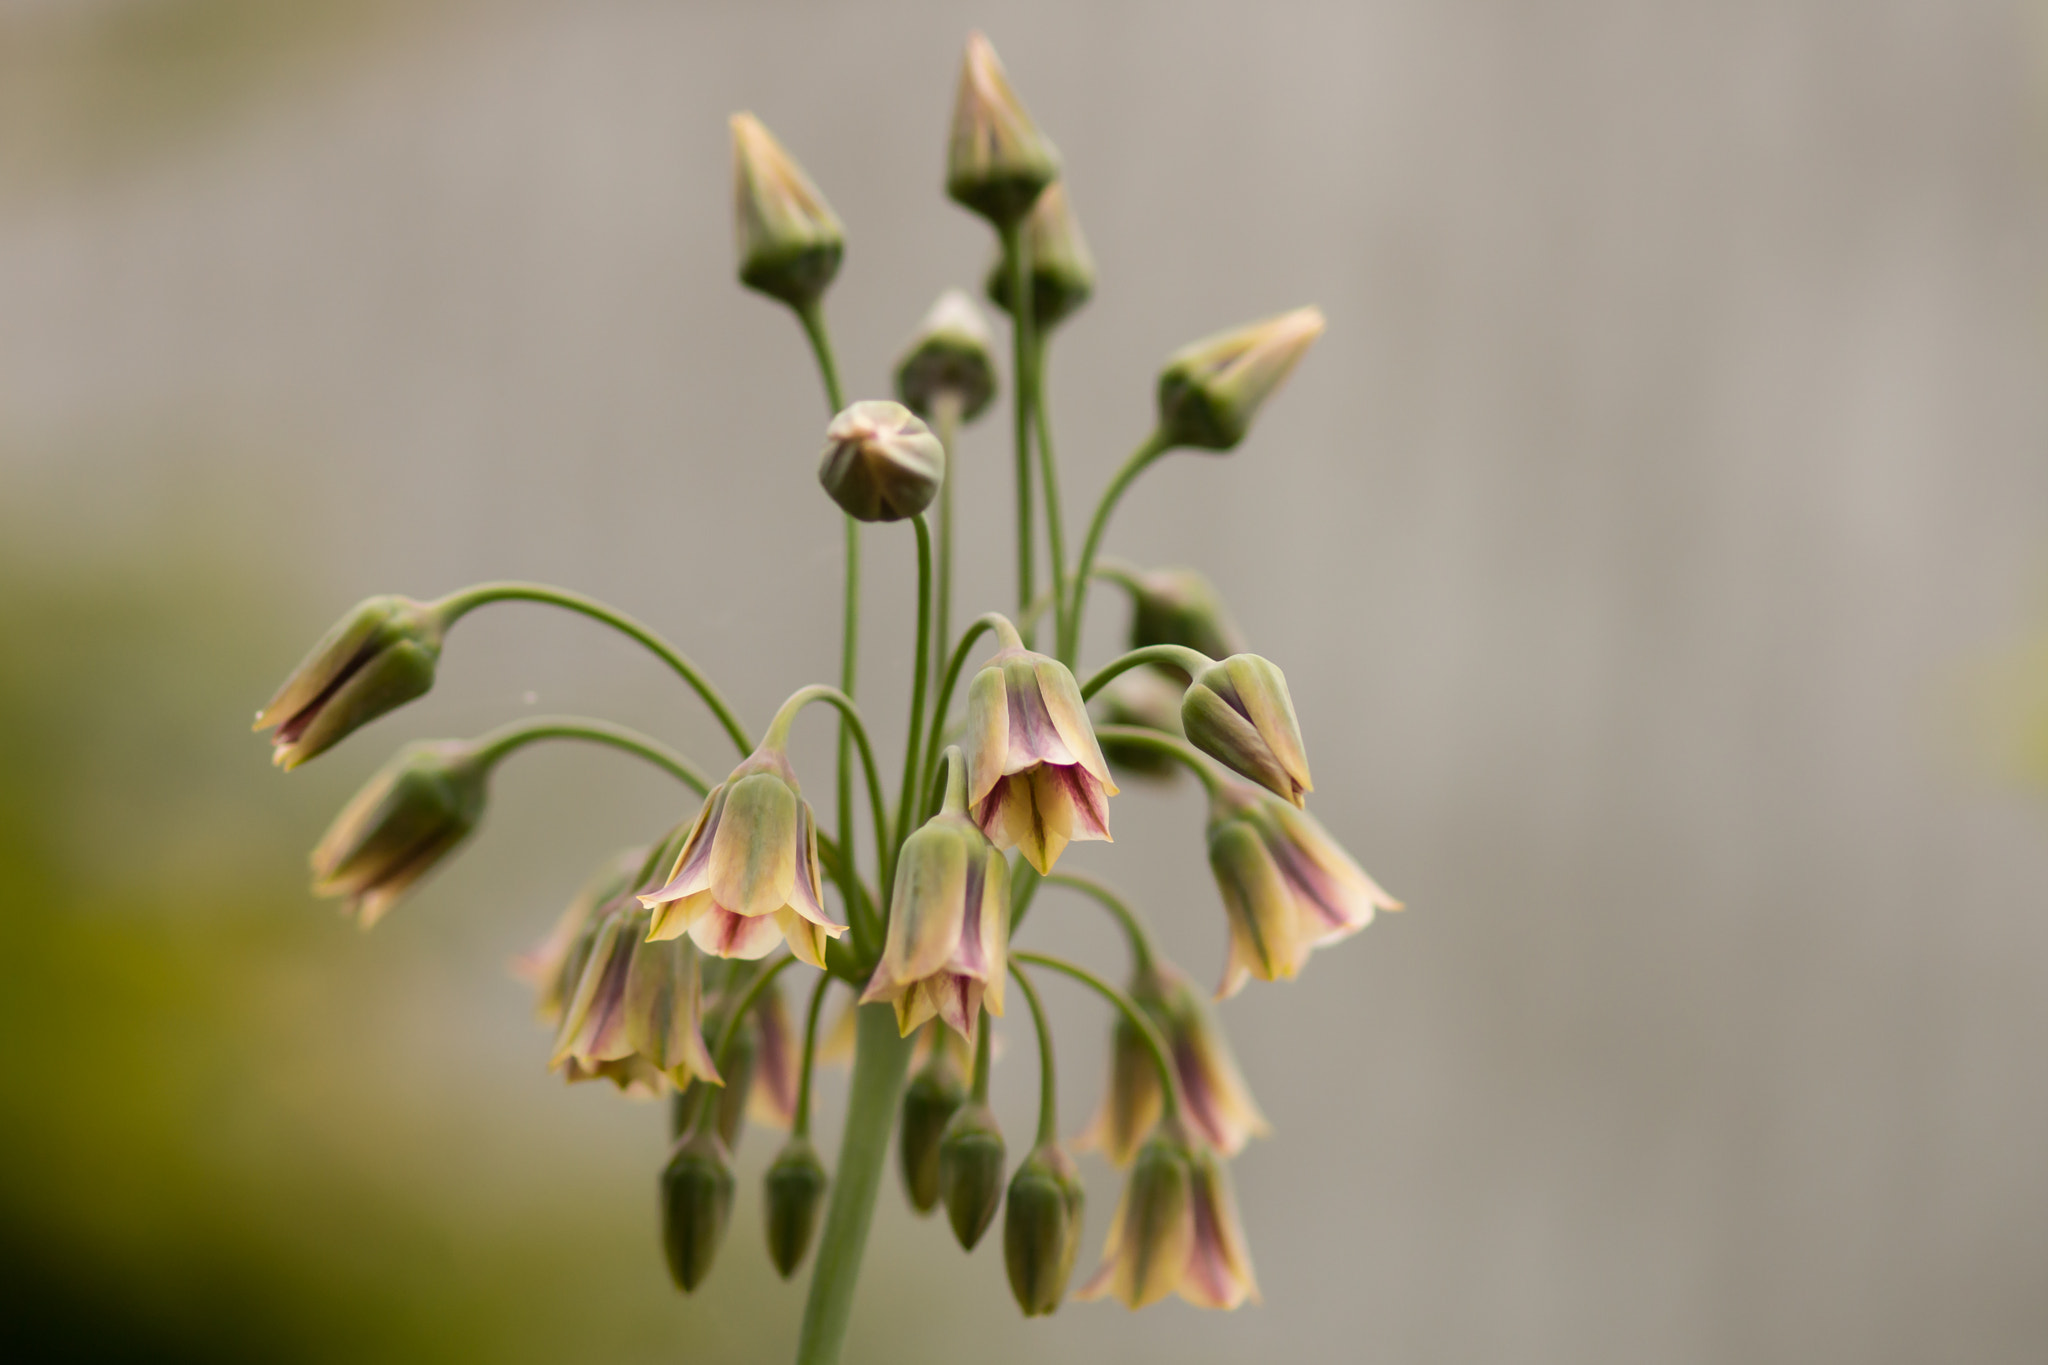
<point>987,741</point>
<point>806,898</point>
<point>721,933</point>
<point>672,919</point>
<point>593,1027</point>
<point>1261,908</point>
<point>1089,800</point>
<point>1061,696</point>
<point>1033,736</point>
<point>806,940</point>
<point>1219,1268</point>
<point>1009,816</point>
<point>692,870</point>
<point>755,852</point>
<point>994,924</point>
<point>772,1101</point>
<point>958,999</point>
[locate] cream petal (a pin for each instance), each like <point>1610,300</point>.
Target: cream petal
<point>806,940</point>
<point>672,919</point>
<point>1219,1268</point>
<point>1061,696</point>
<point>958,1000</point>
<point>692,870</point>
<point>914,1007</point>
<point>1090,804</point>
<point>754,854</point>
<point>805,897</point>
<point>987,741</point>
<point>1034,738</point>
<point>772,1101</point>
<point>927,906</point>
<point>721,933</point>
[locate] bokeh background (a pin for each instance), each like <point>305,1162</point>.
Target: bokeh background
<point>1656,545</point>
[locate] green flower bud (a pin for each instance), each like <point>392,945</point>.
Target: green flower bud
<point>1144,698</point>
<point>696,1205</point>
<point>931,1099</point>
<point>400,826</point>
<point>997,162</point>
<point>375,660</point>
<point>1181,607</point>
<point>1239,713</point>
<point>1209,392</point>
<point>881,462</point>
<point>949,355</point>
<point>796,1192</point>
<point>1062,270</point>
<point>789,239</point>
<point>971,1172</point>
<point>1042,1229</point>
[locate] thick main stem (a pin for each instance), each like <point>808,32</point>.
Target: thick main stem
<point>881,1057</point>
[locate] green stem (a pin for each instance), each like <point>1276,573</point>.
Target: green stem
<point>919,678</point>
<point>456,605</point>
<point>1017,252</point>
<point>492,747</point>
<point>1153,447</point>
<point>878,808</point>
<point>1169,1083</point>
<point>800,1126</point>
<point>946,409</point>
<point>1190,661</point>
<point>1178,750</point>
<point>880,1059</point>
<point>1133,927</point>
<point>984,1044</point>
<point>1048,1083</point>
<point>812,316</point>
<point>985,622</point>
<point>1024,883</point>
<point>1048,471</point>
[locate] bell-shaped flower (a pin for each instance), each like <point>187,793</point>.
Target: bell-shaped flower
<point>1209,391</point>
<point>789,239</point>
<point>1176,1230</point>
<point>1061,268</point>
<point>1239,713</point>
<point>997,162</point>
<point>777,1057</point>
<point>1042,1228</point>
<point>1216,1104</point>
<point>1036,776</point>
<point>634,1001</point>
<point>553,966</point>
<point>951,355</point>
<point>747,877</point>
<point>946,954</point>
<point>881,462</point>
<point>1288,886</point>
<point>376,659</point>
<point>400,826</point>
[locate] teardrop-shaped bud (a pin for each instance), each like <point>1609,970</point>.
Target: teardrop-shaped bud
<point>376,659</point>
<point>1057,258</point>
<point>1240,714</point>
<point>971,1172</point>
<point>952,354</point>
<point>696,1205</point>
<point>403,823</point>
<point>931,1099</point>
<point>1042,1229</point>
<point>789,239</point>
<point>881,462</point>
<point>997,162</point>
<point>1209,392</point>
<point>795,1187</point>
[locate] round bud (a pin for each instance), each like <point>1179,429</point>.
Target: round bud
<point>795,1193</point>
<point>881,462</point>
<point>971,1172</point>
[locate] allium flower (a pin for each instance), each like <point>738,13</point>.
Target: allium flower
<point>376,659</point>
<point>1287,885</point>
<point>1176,1230</point>
<point>1037,779</point>
<point>1216,1103</point>
<point>637,1006</point>
<point>1239,713</point>
<point>1209,391</point>
<point>789,239</point>
<point>400,826</point>
<point>881,462</point>
<point>951,354</point>
<point>555,964</point>
<point>747,877</point>
<point>1062,270</point>
<point>997,162</point>
<point>946,951</point>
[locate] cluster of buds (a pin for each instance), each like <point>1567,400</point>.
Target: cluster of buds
<point>661,977</point>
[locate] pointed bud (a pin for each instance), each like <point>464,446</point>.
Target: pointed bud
<point>997,162</point>
<point>1181,607</point>
<point>696,1205</point>
<point>400,826</point>
<point>1240,714</point>
<point>1152,1231</point>
<point>881,462</point>
<point>1061,267</point>
<point>951,354</point>
<point>931,1099</point>
<point>789,239</point>
<point>795,1193</point>
<point>375,660</point>
<point>971,1172</point>
<point>1209,391</point>
<point>1042,1229</point>
<point>1142,697</point>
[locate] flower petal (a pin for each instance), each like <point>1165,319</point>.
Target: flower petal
<point>754,854</point>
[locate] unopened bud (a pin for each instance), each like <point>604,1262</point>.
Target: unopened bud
<point>696,1205</point>
<point>1061,268</point>
<point>1146,699</point>
<point>881,462</point>
<point>796,1192</point>
<point>376,659</point>
<point>971,1172</point>
<point>1239,713</point>
<point>1042,1229</point>
<point>1181,607</point>
<point>997,162</point>
<point>789,239</point>
<point>732,1100</point>
<point>400,826</point>
<point>1209,392</point>
<point>931,1099</point>
<point>949,355</point>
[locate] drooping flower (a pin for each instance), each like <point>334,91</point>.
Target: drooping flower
<point>881,462</point>
<point>1209,391</point>
<point>747,877</point>
<point>946,950</point>
<point>553,966</point>
<point>997,162</point>
<point>1062,271</point>
<point>637,1006</point>
<point>951,354</point>
<point>1037,779</point>
<point>1288,886</point>
<point>376,659</point>
<point>789,239</point>
<point>1042,1228</point>
<point>400,826</point>
<point>1176,1230</point>
<point>1239,713</point>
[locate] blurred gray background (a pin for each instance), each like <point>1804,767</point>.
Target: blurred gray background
<point>1637,542</point>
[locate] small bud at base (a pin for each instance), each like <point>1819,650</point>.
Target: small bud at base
<point>971,1172</point>
<point>696,1205</point>
<point>795,1186</point>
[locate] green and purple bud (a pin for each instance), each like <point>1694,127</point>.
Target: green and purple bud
<point>1209,391</point>
<point>1288,887</point>
<point>1240,714</point>
<point>637,1006</point>
<point>951,355</point>
<point>1143,698</point>
<point>789,240</point>
<point>795,1187</point>
<point>1062,269</point>
<point>1180,607</point>
<point>946,954</point>
<point>1042,1229</point>
<point>403,823</point>
<point>1036,776</point>
<point>881,462</point>
<point>931,1099</point>
<point>971,1172</point>
<point>375,660</point>
<point>747,877</point>
<point>696,1206</point>
<point>997,162</point>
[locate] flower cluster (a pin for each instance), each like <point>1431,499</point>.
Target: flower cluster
<point>663,976</point>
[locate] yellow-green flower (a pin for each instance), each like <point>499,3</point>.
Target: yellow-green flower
<point>400,826</point>
<point>1209,391</point>
<point>376,659</point>
<point>637,1006</point>
<point>1036,776</point>
<point>997,162</point>
<point>1216,1104</point>
<point>1176,1230</point>
<point>946,951</point>
<point>789,239</point>
<point>1240,714</point>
